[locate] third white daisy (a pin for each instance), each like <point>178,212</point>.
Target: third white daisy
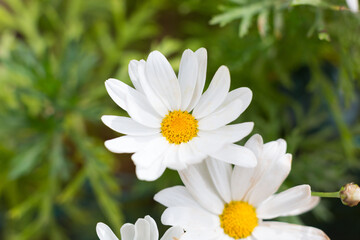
<point>143,229</point>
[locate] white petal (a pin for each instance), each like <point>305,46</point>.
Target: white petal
<point>163,80</point>
<point>153,172</point>
<point>235,132</point>
<point>188,72</point>
<point>215,95</point>
<point>206,234</point>
<point>220,173</point>
<point>197,180</point>
<point>127,125</point>
<point>241,182</point>
<point>142,230</point>
<point>151,152</point>
<point>154,100</point>
<point>255,144</point>
<point>353,5</point>
<point>275,149</point>
<point>172,233</point>
<point>244,179</point>
<point>270,181</point>
<point>134,74</point>
<point>221,117</point>
<point>237,155</point>
<point>177,196</point>
<point>172,158</point>
<point>127,231</point>
<point>154,233</point>
<point>188,155</point>
<point>243,94</point>
<point>189,218</point>
<point>293,200</point>
<point>128,144</point>
<point>104,232</point>
<point>118,91</point>
<point>286,231</point>
<point>201,56</point>
<point>208,142</point>
<point>306,206</point>
<point>140,110</point>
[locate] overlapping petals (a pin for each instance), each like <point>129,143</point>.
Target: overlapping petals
<point>158,92</point>
<point>143,229</point>
<point>211,185</point>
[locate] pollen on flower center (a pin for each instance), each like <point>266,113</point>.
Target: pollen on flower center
<point>179,127</point>
<point>238,219</point>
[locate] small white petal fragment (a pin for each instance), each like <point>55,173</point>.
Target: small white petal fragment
<point>173,233</point>
<point>142,229</point>
<point>353,5</point>
<point>127,231</point>
<point>104,232</point>
<point>154,233</point>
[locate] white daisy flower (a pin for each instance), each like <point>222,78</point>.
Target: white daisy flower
<point>222,202</point>
<point>172,124</point>
<point>353,5</point>
<point>143,229</point>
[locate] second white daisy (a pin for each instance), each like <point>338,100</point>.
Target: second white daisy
<point>144,229</point>
<point>219,202</point>
<point>172,124</point>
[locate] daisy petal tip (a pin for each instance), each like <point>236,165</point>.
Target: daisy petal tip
<point>188,51</point>
<point>111,81</point>
<point>224,69</point>
<point>100,225</point>
<point>155,55</point>
<point>109,146</point>
<point>106,118</point>
<point>146,175</point>
<point>201,51</point>
<point>250,125</point>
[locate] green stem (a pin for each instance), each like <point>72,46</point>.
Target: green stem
<point>326,194</point>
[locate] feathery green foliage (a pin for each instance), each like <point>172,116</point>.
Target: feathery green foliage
<point>300,58</point>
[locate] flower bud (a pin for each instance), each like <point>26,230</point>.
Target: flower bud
<point>350,194</point>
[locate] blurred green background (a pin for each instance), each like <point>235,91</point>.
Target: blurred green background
<point>301,59</point>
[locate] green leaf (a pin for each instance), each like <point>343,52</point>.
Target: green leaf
<point>26,160</point>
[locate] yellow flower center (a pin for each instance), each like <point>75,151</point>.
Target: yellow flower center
<point>179,127</point>
<point>238,219</point>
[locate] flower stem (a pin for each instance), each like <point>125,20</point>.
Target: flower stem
<point>326,194</point>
